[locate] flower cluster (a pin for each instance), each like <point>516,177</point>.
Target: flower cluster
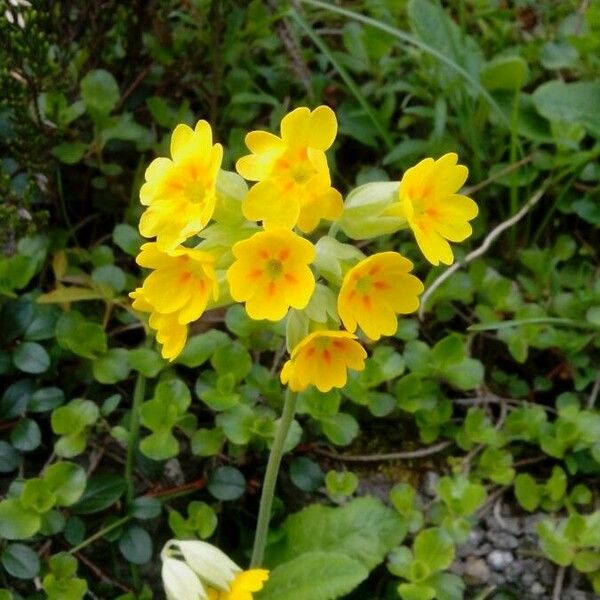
<point>218,241</point>
<point>194,570</point>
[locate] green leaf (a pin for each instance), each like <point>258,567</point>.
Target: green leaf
<point>69,152</point>
<point>505,73</point>
<point>99,92</point>
<point>232,359</point>
<point>127,238</point>
<point>364,529</point>
<point>573,103</point>
<point>37,495</point>
<point>527,491</point>
<point>82,337</point>
<point>9,457</point>
<point>227,483</point>
<point>67,480</point>
<point>136,545</point>
<point>45,399</point>
<point>340,429</point>
<point>306,474</point>
<point>64,295</point>
<point>416,591</point>
<point>20,561</point>
<point>17,522</point>
<point>148,362</point>
<point>111,367</point>
<point>314,575</point>
<point>146,507</point>
<point>200,348</point>
<point>26,436</point>
<point>340,484</point>
<point>109,276</point>
<point>207,442</point>
<point>31,357</point>
<point>101,492</point>
<point>160,445</point>
<point>435,548</point>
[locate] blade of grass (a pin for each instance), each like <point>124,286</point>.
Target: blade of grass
<point>354,89</point>
<point>497,325</point>
<point>409,39</point>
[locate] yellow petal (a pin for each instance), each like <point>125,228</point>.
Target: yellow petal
<point>294,126</point>
<point>322,128</point>
<point>264,202</point>
<point>263,141</point>
<point>433,246</point>
<point>179,138</point>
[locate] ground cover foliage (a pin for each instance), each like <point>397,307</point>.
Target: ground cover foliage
<point>493,387</point>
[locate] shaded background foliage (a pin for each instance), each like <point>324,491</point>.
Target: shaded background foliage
<point>90,93</point>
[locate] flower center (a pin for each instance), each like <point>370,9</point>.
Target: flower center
<point>364,285</point>
<point>195,191</point>
<point>301,172</point>
<point>273,268</point>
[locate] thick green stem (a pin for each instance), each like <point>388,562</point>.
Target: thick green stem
<point>134,429</point>
<point>268,491</point>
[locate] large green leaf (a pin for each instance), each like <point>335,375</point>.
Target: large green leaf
<point>573,103</point>
<point>364,529</point>
<point>314,575</point>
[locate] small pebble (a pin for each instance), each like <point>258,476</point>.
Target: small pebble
<point>500,559</point>
<point>430,481</point>
<point>476,570</point>
<point>537,589</point>
<point>502,541</point>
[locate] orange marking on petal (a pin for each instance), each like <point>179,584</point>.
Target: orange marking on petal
<point>327,356</point>
<point>381,285</point>
<point>290,278</point>
<point>255,274</point>
<point>310,352</point>
<point>284,254</point>
<point>271,288</point>
<point>366,302</point>
<point>264,254</point>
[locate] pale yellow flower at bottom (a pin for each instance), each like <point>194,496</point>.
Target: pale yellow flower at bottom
<point>242,587</point>
<point>435,212</point>
<point>375,290</point>
<point>322,359</point>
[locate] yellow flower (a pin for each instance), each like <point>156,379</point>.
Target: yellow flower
<point>175,293</point>
<point>271,273</point>
<point>429,201</point>
<point>242,586</point>
<point>169,332</point>
<point>294,185</point>
<point>322,359</point>
<point>375,291</point>
<point>180,192</point>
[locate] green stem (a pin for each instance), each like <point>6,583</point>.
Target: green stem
<point>101,533</point>
<point>134,429</point>
<point>268,491</point>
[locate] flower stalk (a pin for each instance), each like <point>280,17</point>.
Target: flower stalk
<point>270,481</point>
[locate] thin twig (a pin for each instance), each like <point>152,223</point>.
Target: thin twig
<point>491,500</point>
<point>595,392</point>
<point>558,583</point>
<point>501,173</point>
<point>140,77</point>
<point>100,574</point>
<point>421,453</point>
<point>487,242</point>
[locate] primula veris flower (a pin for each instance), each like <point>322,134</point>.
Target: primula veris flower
<point>171,334</point>
<point>376,290</point>
<point>195,570</point>
<point>180,192</point>
<point>243,586</point>
<point>294,185</point>
<point>322,359</point>
<point>175,293</point>
<point>271,273</point>
<point>182,281</point>
<point>435,212</point>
